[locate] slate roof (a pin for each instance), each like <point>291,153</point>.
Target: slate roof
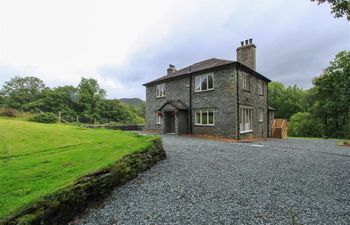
<point>176,103</point>
<point>201,66</point>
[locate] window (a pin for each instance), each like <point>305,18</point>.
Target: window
<point>204,82</point>
<point>261,115</point>
<point>246,82</point>
<point>261,87</point>
<point>160,90</point>
<point>204,117</point>
<point>159,118</point>
<point>246,118</point>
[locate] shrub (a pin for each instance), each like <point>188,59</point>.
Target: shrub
<point>8,112</point>
<point>44,118</point>
<point>303,124</point>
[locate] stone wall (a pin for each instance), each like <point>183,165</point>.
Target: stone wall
<point>62,206</point>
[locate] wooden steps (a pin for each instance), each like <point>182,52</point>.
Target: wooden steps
<point>280,128</point>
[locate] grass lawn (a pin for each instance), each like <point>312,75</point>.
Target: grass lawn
<point>38,159</point>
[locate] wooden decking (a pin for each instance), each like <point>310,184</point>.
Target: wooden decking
<point>280,128</point>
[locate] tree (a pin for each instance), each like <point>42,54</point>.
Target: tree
<point>340,8</point>
<point>90,97</point>
<point>22,90</point>
<point>332,97</point>
<point>287,101</point>
<point>304,124</point>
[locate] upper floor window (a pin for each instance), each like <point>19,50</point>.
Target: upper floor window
<point>261,87</point>
<point>160,90</point>
<point>246,82</point>
<point>204,82</point>
<point>204,117</point>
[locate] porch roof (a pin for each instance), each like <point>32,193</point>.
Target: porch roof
<point>177,104</point>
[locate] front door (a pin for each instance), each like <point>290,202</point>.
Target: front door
<point>170,122</point>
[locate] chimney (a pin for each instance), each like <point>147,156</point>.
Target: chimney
<point>171,69</point>
<point>246,54</point>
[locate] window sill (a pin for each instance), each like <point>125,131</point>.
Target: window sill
<point>204,125</point>
<point>260,121</point>
<point>160,97</point>
<point>204,90</point>
<point>246,131</point>
<point>246,90</point>
<point>261,94</point>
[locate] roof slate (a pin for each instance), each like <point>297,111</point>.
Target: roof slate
<point>200,66</point>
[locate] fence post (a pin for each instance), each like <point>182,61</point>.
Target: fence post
<point>77,119</point>
<point>94,121</point>
<point>59,117</point>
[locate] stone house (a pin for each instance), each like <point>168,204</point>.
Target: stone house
<point>214,97</point>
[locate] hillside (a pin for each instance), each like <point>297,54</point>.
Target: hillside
<point>135,102</point>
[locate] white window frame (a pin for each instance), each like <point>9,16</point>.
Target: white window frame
<point>198,82</point>
<point>159,119</point>
<point>261,115</point>
<point>160,90</point>
<point>246,82</point>
<point>245,119</point>
<point>261,87</point>
<point>201,112</point>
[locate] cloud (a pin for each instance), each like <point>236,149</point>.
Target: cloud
<point>125,44</point>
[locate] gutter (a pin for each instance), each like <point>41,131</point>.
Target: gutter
<point>190,107</point>
<point>237,87</point>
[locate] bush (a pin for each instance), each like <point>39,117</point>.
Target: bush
<point>303,124</point>
<point>8,112</point>
<point>44,118</point>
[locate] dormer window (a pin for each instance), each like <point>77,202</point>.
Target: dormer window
<point>160,90</point>
<point>204,82</point>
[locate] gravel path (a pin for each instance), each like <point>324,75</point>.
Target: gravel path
<point>210,182</point>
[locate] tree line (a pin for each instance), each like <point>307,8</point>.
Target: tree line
<point>85,103</point>
<point>321,111</point>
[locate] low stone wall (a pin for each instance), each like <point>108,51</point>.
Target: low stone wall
<point>118,127</point>
<point>62,206</point>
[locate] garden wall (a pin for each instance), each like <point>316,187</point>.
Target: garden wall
<point>62,206</point>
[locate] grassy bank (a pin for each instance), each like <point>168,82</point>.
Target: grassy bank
<point>38,159</point>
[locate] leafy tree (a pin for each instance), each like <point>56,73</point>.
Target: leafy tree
<point>90,97</point>
<point>287,101</point>
<point>22,90</point>
<point>304,124</point>
<point>340,8</point>
<point>332,96</point>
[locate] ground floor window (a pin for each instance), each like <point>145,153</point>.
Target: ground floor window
<point>261,115</point>
<point>204,117</point>
<point>246,119</point>
<point>159,118</point>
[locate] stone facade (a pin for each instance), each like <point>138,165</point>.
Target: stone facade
<point>224,100</point>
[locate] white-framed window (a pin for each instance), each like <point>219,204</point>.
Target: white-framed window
<point>261,87</point>
<point>204,117</point>
<point>261,114</point>
<point>246,119</point>
<point>160,90</point>
<point>246,82</point>
<point>159,118</point>
<point>204,82</point>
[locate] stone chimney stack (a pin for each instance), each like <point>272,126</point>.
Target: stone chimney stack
<point>246,54</point>
<point>171,69</point>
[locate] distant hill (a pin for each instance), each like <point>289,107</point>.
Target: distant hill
<point>132,101</point>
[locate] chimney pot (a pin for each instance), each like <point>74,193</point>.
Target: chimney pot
<point>171,69</point>
<point>247,54</point>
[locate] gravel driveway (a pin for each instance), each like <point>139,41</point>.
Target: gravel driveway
<point>209,182</point>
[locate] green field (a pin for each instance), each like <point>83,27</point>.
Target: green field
<point>38,159</point>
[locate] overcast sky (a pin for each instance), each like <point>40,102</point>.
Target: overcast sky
<point>124,44</point>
